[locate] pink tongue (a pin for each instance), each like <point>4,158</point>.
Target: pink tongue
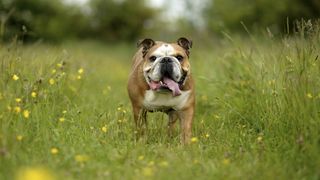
<point>154,85</point>
<point>173,86</point>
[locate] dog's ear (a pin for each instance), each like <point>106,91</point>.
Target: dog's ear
<point>185,44</point>
<point>146,44</point>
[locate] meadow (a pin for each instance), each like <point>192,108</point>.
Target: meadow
<point>65,113</point>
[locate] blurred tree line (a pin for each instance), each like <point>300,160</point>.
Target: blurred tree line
<point>279,16</point>
<point>127,20</point>
<point>55,20</point>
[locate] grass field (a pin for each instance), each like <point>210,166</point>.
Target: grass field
<point>64,113</point>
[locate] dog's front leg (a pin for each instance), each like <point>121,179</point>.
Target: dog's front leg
<point>186,117</point>
<point>173,116</point>
<point>140,118</point>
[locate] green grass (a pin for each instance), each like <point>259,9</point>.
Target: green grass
<point>257,115</point>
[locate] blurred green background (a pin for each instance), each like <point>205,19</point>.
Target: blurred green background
<point>127,20</point>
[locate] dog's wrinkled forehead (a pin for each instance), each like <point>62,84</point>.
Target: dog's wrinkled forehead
<point>164,50</point>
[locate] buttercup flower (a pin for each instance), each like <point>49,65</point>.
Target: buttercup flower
<point>26,114</point>
<point>18,100</point>
<point>151,163</point>
<point>15,77</point>
<point>19,138</point>
<point>34,173</point>
<point>62,119</point>
<point>194,139</point>
<point>309,95</point>
<point>51,81</point>
<point>140,158</point>
<point>80,71</point>
<point>54,151</point>
<point>226,161</point>
<point>104,129</point>
<point>81,158</point>
<point>33,94</point>
<point>164,164</point>
<point>147,171</point>
<point>17,109</point>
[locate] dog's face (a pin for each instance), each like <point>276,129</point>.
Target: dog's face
<point>166,65</point>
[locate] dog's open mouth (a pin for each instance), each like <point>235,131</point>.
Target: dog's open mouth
<point>166,83</point>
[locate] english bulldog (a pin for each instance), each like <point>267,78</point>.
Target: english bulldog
<point>160,80</point>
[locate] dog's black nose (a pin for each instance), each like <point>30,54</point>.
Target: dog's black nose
<point>166,66</point>
<point>166,60</point>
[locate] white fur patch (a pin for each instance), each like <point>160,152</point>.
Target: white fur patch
<point>156,100</point>
<point>164,50</point>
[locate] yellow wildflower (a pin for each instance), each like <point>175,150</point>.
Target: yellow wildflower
<point>309,95</point>
<point>33,94</point>
<point>81,158</point>
<point>226,161</point>
<point>64,112</point>
<point>140,158</point>
<point>207,135</point>
<point>18,100</point>
<point>62,119</point>
<point>164,164</point>
<point>34,173</point>
<point>59,65</point>
<point>51,81</point>
<point>194,139</point>
<point>195,161</point>
<point>147,171</point>
<point>17,109</point>
<point>271,82</point>
<point>80,71</point>
<point>26,114</point>
<point>259,139</point>
<point>151,163</point>
<point>79,77</point>
<point>54,151</point>
<point>53,71</point>
<point>104,129</point>
<point>15,77</point>
<point>19,138</point>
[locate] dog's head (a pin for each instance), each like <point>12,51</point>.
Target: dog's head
<point>166,65</point>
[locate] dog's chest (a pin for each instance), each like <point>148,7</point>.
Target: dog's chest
<point>159,101</point>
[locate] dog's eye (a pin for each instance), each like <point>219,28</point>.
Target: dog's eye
<point>179,57</point>
<point>152,58</point>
